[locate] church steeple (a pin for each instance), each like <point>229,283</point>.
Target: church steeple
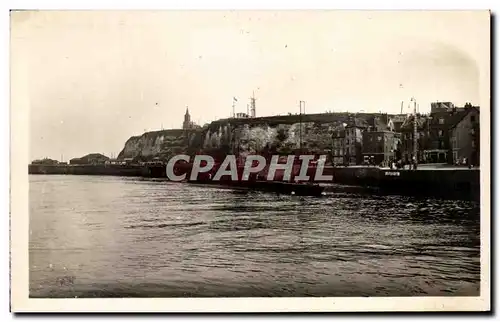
<point>187,120</point>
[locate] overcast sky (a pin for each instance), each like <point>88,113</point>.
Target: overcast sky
<point>96,78</point>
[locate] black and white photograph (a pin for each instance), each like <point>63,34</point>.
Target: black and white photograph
<point>225,159</point>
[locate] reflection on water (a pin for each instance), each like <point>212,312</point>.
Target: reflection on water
<point>114,237</point>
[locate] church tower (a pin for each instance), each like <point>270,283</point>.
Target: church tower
<point>187,120</point>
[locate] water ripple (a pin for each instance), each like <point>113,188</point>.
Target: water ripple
<point>119,237</point>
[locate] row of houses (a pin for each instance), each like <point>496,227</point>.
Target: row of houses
<point>448,134</point>
<point>360,141</point>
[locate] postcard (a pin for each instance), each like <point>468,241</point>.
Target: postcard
<point>250,161</point>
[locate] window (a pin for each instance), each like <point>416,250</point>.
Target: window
<point>441,121</point>
<point>440,132</point>
<point>379,138</point>
<point>473,144</point>
<point>473,118</point>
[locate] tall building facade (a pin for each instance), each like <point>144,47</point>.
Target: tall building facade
<point>464,136</point>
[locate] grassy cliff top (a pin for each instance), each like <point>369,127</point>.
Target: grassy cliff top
<point>264,120</point>
<point>169,132</point>
<point>292,119</point>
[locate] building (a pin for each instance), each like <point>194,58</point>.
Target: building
<point>439,107</point>
<point>46,161</point>
<point>187,120</point>
<point>464,136</point>
<point>380,147</point>
<point>188,124</point>
<point>380,141</point>
<point>93,158</point>
<point>434,141</point>
<point>443,117</point>
<point>338,150</point>
<point>437,145</point>
<point>397,121</point>
<point>353,142</point>
<point>348,142</point>
<point>242,116</point>
<point>113,162</point>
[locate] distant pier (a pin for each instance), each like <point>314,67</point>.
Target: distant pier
<point>84,169</point>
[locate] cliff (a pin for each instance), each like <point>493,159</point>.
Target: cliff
<point>162,144</point>
<point>274,134</point>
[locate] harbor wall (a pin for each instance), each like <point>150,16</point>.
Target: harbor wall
<point>102,170</point>
<point>364,176</point>
<point>459,183</point>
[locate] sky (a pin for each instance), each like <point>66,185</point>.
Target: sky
<point>95,78</point>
